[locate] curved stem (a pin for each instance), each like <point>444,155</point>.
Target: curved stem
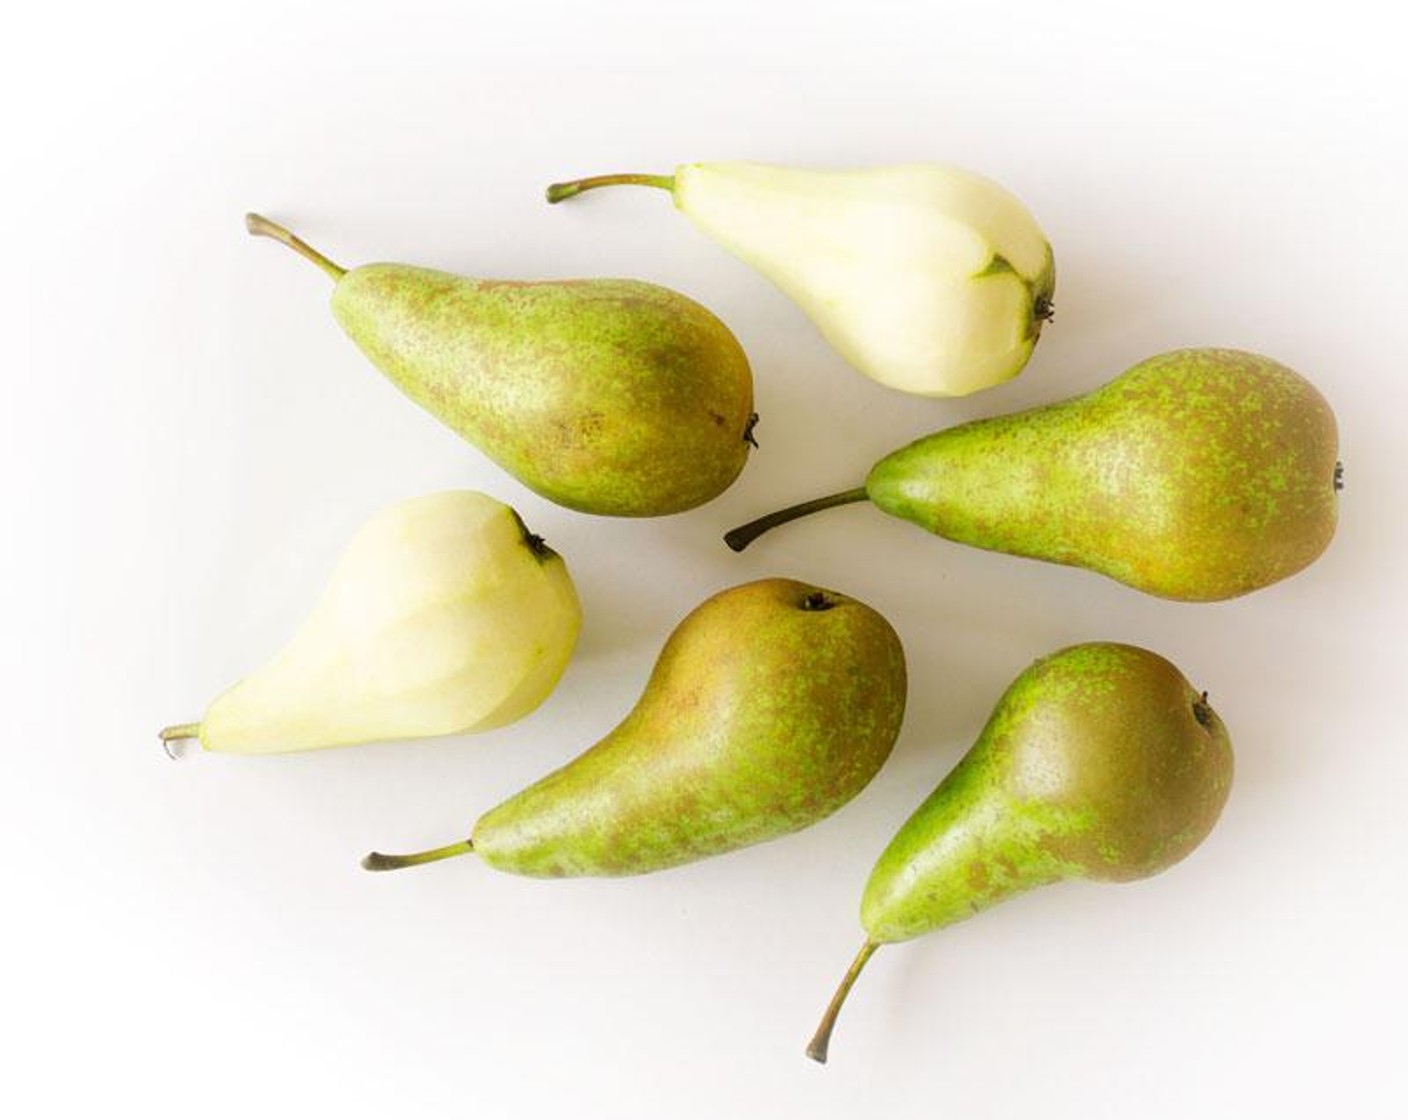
<point>261,226</point>
<point>559,191</point>
<point>376,861</point>
<point>740,538</point>
<point>175,733</point>
<point>821,1041</point>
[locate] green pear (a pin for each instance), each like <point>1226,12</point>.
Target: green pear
<point>1197,475</point>
<point>443,615</point>
<point>926,278</point>
<point>771,705</point>
<point>1100,762</point>
<point>606,396</point>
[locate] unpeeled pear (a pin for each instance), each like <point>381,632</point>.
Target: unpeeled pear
<point>771,705</point>
<point>605,396</point>
<point>444,614</point>
<point>1100,762</point>
<point>1198,474</point>
<point>927,278</point>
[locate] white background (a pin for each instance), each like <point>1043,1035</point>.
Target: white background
<point>188,440</point>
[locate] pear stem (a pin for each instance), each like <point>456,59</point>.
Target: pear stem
<point>740,538</point>
<point>821,1041</point>
<point>175,733</point>
<point>559,191</point>
<point>261,226</point>
<point>376,861</point>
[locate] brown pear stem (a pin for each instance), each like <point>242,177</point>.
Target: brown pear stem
<point>821,1041</point>
<point>261,226</point>
<point>740,538</point>
<point>376,861</point>
<point>559,191</point>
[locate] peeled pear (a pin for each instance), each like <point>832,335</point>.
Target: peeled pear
<point>1100,762</point>
<point>606,396</point>
<point>771,705</point>
<point>927,278</point>
<point>1198,474</point>
<point>443,615</point>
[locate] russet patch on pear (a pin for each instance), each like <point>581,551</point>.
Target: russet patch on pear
<point>1101,761</point>
<point>1199,474</point>
<point>771,705</point>
<point>612,397</point>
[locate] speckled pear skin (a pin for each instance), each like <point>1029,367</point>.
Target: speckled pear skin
<point>1100,762</point>
<point>606,396</point>
<point>771,705</point>
<point>1199,474</point>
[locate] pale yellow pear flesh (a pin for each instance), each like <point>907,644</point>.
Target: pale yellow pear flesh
<point>443,615</point>
<point>927,278</point>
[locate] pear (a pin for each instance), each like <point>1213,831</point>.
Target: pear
<point>606,396</point>
<point>1198,474</point>
<point>927,278</point>
<point>771,705</point>
<point>443,615</point>
<point>1100,762</point>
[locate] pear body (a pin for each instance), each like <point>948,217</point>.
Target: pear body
<point>770,706</point>
<point>926,278</point>
<point>1099,762</point>
<point>1199,474</point>
<point>443,615</point>
<point>606,396</point>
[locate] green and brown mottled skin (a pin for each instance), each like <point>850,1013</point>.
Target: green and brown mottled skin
<point>1100,762</point>
<point>606,396</point>
<point>1198,474</point>
<point>771,705</point>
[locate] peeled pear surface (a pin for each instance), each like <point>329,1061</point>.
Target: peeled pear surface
<point>1100,762</point>
<point>927,278</point>
<point>771,705</point>
<point>1199,474</point>
<point>612,397</point>
<point>443,615</point>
